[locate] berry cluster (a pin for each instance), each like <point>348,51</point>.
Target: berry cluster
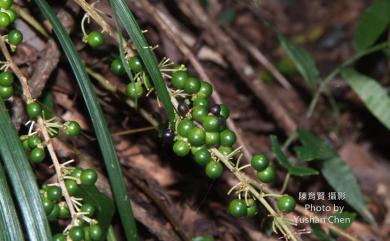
<point>6,85</point>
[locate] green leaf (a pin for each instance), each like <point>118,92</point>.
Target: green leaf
<point>22,180</point>
<point>340,177</point>
<point>104,205</point>
<point>302,59</point>
<point>343,219</point>
<point>9,221</point>
<point>372,24</point>
<point>111,161</point>
<point>313,148</point>
<point>123,12</point>
<point>373,95</point>
<point>318,232</point>
<point>293,170</point>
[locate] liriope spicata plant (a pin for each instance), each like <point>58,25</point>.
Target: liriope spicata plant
<point>61,198</point>
<point>199,127</point>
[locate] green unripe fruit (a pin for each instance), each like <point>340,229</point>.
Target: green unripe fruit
<point>59,237</point>
<point>88,209</point>
<point>33,110</point>
<point>11,14</point>
<point>227,138</point>
<point>95,232</point>
<point>15,37</point>
<point>48,205</point>
<point>6,92</point>
<point>225,150</point>
<point>179,78</point>
<point>267,175</point>
<point>72,128</point>
<point>25,145</point>
<point>210,123</point>
<point>214,169</point>
<point>202,156</point>
<point>5,4</point>
<point>205,89</point>
<point>88,177</point>
<point>34,141</point>
<point>76,172</point>
<point>184,127</point>
<point>54,193</point>
<point>259,162</point>
<point>252,209</point>
<point>4,20</point>
<point>37,155</point>
<point>135,64</point>
<point>6,79</point>
<point>192,85</point>
<point>201,101</point>
<point>196,136</point>
<point>134,90</point>
<point>286,203</point>
<point>76,234</point>
<point>212,139</point>
<point>181,148</point>
<point>198,113</point>
<point>64,211</point>
<point>225,112</point>
<point>55,212</point>
<point>237,208</point>
<point>117,67</point>
<point>95,39</point>
<point>71,186</point>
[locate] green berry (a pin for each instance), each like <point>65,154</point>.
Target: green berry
<point>252,209</point>
<point>11,14</point>
<point>225,112</point>
<point>48,205</point>
<point>135,64</point>
<point>95,39</point>
<point>59,237</point>
<point>76,172</point>
<point>259,162</point>
<point>72,128</point>
<point>37,155</point>
<point>88,209</point>
<point>6,78</point>
<point>88,177</point>
<point>184,127</point>
<point>134,90</point>
<point>71,186</point>
<point>205,89</point>
<point>33,110</point>
<point>212,139</point>
<point>76,234</point>
<point>198,113</point>
<point>5,4</point>
<point>225,150</point>
<point>286,203</point>
<point>55,212</point>
<point>15,37</point>
<point>192,85</point>
<point>4,20</point>
<point>196,136</point>
<point>181,148</point>
<point>202,156</point>
<point>179,78</point>
<point>6,92</point>
<point>201,101</point>
<point>227,138</point>
<point>267,175</point>
<point>237,208</point>
<point>117,67</point>
<point>194,149</point>
<point>54,193</point>
<point>87,236</point>
<point>64,210</point>
<point>34,141</point>
<point>95,231</point>
<point>210,123</point>
<point>25,145</point>
<point>214,169</point>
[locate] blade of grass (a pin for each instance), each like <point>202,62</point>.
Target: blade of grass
<point>121,197</point>
<point>22,180</point>
<point>122,11</point>
<point>9,222</point>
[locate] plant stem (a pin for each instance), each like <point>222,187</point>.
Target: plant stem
<point>42,127</point>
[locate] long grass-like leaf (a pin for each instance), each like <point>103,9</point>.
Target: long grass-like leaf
<point>9,222</point>
<point>124,14</point>
<point>22,180</point>
<point>121,197</point>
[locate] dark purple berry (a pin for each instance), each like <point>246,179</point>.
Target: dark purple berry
<point>215,110</point>
<point>182,108</point>
<point>168,136</point>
